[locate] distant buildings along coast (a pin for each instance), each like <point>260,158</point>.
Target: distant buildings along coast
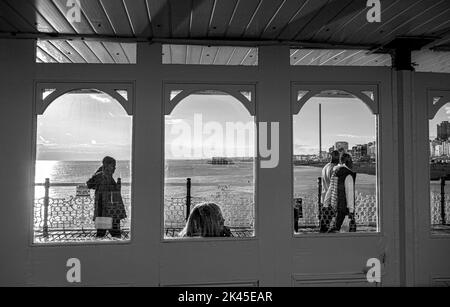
<point>440,146</point>
<point>360,152</point>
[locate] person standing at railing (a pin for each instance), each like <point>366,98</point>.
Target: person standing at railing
<point>327,171</point>
<point>326,212</point>
<point>108,200</point>
<point>342,195</point>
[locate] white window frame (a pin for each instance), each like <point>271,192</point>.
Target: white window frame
<point>169,105</point>
<point>355,89</point>
<point>39,107</point>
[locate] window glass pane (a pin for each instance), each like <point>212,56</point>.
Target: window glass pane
<point>247,95</point>
<point>173,94</point>
<point>335,154</point>
<point>209,168</point>
<point>85,51</point>
<point>209,55</point>
<point>300,94</point>
<point>46,92</point>
<point>440,171</point>
<point>369,94</point>
<point>73,185</point>
<point>123,93</point>
<point>335,57</point>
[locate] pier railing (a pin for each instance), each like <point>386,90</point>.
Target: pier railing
<point>308,211</point>
<point>307,215</point>
<point>440,206</point>
<point>65,218</point>
<point>72,217</point>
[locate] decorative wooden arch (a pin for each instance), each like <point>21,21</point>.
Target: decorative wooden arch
<point>184,90</point>
<point>436,99</point>
<point>59,89</point>
<point>311,90</point>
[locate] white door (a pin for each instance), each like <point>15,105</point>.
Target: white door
<point>431,220</point>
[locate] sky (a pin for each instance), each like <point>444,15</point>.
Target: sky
<point>343,119</point>
<point>84,127</point>
<point>90,126</point>
<point>442,115</point>
<point>219,117</point>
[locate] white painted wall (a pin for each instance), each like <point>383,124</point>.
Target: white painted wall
<point>275,257</point>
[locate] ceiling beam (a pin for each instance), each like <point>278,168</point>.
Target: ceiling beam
<point>190,41</point>
<point>441,44</point>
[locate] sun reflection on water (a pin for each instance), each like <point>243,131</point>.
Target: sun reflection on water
<point>45,169</point>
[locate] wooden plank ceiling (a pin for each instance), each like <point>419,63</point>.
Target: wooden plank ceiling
<point>106,25</point>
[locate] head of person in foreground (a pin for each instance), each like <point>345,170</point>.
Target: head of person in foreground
<point>205,220</point>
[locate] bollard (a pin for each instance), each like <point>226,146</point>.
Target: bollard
<point>188,197</point>
<point>443,221</point>
<point>46,204</point>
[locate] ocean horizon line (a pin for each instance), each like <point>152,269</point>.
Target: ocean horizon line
<point>168,159</point>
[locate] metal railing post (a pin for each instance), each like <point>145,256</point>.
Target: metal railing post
<point>296,213</point>
<point>188,197</point>
<point>443,220</point>
<point>319,197</point>
<point>46,204</point>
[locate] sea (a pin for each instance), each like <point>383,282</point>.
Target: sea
<point>234,183</point>
<point>76,173</point>
<point>206,178</point>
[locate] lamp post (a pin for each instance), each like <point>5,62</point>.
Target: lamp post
<point>320,131</point>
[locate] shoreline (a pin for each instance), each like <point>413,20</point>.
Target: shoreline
<point>358,167</point>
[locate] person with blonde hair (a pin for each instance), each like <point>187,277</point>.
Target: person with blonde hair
<point>205,220</point>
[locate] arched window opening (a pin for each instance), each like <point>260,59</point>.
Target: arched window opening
<point>80,195</point>
<point>209,167</point>
<point>335,150</point>
<point>439,141</point>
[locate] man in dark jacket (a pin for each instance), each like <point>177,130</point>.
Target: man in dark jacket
<point>108,201</point>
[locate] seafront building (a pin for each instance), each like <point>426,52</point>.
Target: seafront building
<point>440,146</point>
<point>443,131</point>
